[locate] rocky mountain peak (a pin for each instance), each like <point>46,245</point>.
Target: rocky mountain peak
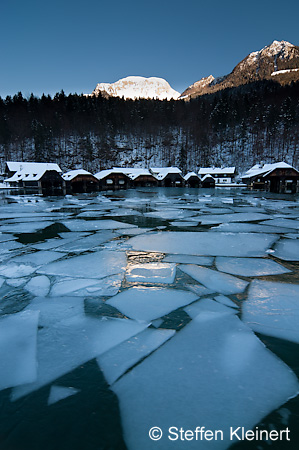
<point>279,61</point>
<point>134,87</point>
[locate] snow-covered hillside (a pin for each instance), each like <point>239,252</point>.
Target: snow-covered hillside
<point>134,87</point>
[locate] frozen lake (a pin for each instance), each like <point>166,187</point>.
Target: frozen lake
<point>124,311</point>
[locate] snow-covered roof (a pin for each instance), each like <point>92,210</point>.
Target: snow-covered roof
<point>133,172</point>
<point>216,170</point>
<point>30,171</point>
<point>161,172</point>
<point>189,175</point>
<point>265,169</point>
<point>31,167</point>
<point>207,175</point>
<point>68,176</point>
<point>104,173</point>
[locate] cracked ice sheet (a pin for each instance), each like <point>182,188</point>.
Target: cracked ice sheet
<point>72,342</point>
<point>16,270</point>
<point>225,380</point>
<point>18,349</point>
<point>170,214</point>
<point>6,237</point>
<point>204,243</point>
<point>86,243</point>
<point>225,301</point>
<point>207,305</point>
<point>155,272</point>
<point>150,303</point>
<point>286,249</point>
<point>94,225</point>
<point>249,267</point>
<point>58,393</point>
<point>6,247</point>
<point>38,258</point>
<point>272,309</point>
<point>236,227</point>
<point>87,286</point>
<point>118,360</point>
<point>282,222</point>
<point>182,224</point>
<point>92,265</point>
<point>30,227</point>
<point>39,285</point>
<point>217,281</point>
<point>189,259</point>
<point>54,309</point>
<point>234,217</point>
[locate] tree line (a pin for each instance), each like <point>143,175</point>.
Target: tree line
<point>238,126</point>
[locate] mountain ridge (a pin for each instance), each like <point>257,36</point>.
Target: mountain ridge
<point>278,61</point>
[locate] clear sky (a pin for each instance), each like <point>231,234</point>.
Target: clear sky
<point>50,45</point>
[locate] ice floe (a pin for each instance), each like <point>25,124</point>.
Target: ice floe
<point>286,249</point>
<point>38,258</point>
<point>207,305</point>
<point>189,259</point>
<point>236,227</point>
<point>92,265</point>
<point>86,243</point>
<point>204,243</point>
<point>38,286</point>
<point>150,303</point>
<point>16,270</point>
<point>282,222</point>
<point>29,227</point>
<point>216,281</point>
<point>225,301</point>
<point>119,359</point>
<point>155,272</point>
<point>58,393</point>
<point>249,267</point>
<point>18,349</point>
<point>94,225</point>
<point>186,385</point>
<point>71,342</point>
<point>54,309</point>
<point>107,286</point>
<point>272,309</point>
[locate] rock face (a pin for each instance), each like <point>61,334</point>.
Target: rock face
<point>137,87</point>
<point>278,61</point>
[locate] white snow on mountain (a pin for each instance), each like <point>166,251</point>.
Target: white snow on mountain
<point>134,87</point>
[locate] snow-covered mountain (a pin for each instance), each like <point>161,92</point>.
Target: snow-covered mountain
<point>279,61</point>
<point>134,87</point>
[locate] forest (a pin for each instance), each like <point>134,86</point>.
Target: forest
<point>257,122</point>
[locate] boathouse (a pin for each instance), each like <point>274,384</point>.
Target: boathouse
<point>279,177</point>
<point>221,175</point>
<point>80,181</point>
<point>44,178</point>
<point>168,176</point>
<point>192,180</point>
<point>113,179</point>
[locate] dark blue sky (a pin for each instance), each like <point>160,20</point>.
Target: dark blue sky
<point>73,45</point>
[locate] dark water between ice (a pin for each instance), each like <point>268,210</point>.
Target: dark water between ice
<point>91,419</point>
